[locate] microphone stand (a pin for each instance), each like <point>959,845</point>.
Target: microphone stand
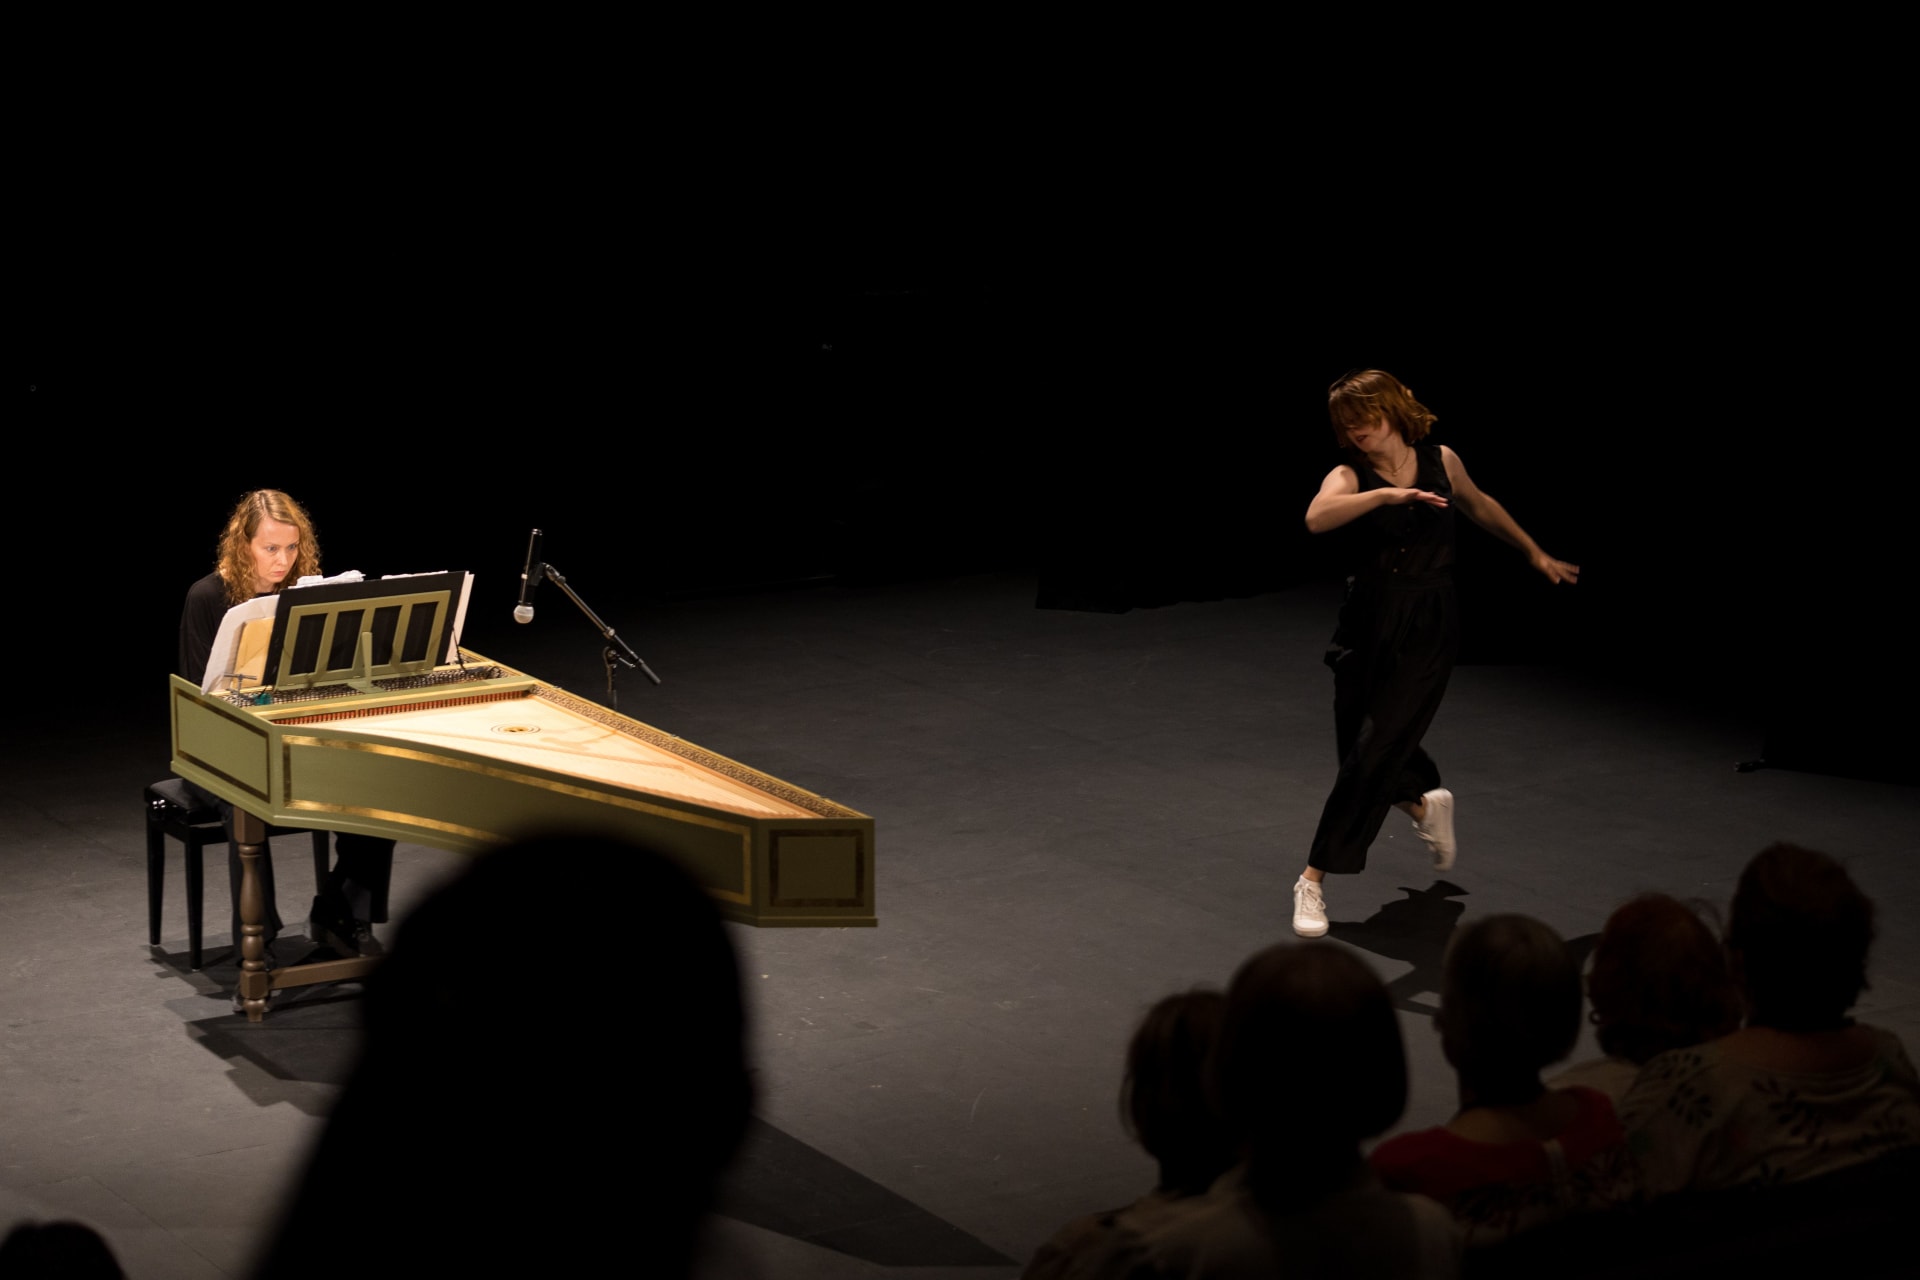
<point>618,652</point>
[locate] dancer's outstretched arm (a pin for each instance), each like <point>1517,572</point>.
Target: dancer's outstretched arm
<point>1491,516</point>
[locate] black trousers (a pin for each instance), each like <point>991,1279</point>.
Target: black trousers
<point>1392,655</point>
<point>362,867</point>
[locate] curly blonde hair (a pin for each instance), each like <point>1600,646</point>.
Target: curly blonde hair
<point>235,557</point>
<point>1359,396</point>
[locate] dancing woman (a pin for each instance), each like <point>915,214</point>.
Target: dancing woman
<point>1399,627</point>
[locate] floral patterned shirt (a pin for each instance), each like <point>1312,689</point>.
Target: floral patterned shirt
<point>1697,1119</point>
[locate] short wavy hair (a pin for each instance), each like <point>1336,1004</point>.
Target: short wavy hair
<point>1166,1101</point>
<point>1509,1002</point>
<point>1799,932</point>
<point>1660,980</point>
<point>1310,1022</point>
<point>1359,396</point>
<point>235,558</point>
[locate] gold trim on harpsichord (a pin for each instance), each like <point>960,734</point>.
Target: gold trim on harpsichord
<point>817,805</point>
<point>238,721</point>
<point>395,815</point>
<point>287,802</point>
<point>221,774</point>
<point>290,740</point>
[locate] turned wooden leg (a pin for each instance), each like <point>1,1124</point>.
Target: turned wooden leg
<point>249,833</point>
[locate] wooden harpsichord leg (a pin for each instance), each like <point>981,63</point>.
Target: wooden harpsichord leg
<point>249,833</point>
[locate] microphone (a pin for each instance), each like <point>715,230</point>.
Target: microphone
<point>529,579</point>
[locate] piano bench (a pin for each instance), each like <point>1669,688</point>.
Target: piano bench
<point>173,810</point>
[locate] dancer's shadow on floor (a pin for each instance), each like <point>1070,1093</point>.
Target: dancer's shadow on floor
<point>1416,930</point>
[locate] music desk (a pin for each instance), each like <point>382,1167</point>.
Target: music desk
<point>477,764</point>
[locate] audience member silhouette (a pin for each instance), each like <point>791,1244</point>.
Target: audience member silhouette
<point>57,1251</point>
<point>518,1113</point>
<point>1659,981</point>
<point>1516,1153</point>
<point>1166,1105</point>
<point>1801,1089</point>
<point>1310,1064</point>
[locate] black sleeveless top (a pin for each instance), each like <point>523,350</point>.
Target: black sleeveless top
<point>1409,542</point>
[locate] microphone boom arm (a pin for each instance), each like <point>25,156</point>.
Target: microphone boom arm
<point>618,650</point>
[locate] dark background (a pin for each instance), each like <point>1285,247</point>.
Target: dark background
<point>713,386</point>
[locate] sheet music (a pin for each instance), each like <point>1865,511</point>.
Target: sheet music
<point>226,641</point>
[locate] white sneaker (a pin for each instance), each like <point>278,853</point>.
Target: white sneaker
<point>1309,909</point>
<point>1437,830</point>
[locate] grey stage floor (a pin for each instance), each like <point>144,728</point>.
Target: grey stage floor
<point>1077,813</point>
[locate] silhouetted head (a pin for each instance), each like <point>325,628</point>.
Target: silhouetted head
<point>1660,980</point>
<point>1509,1006</point>
<point>554,1075</point>
<point>58,1251</point>
<point>1311,1060</point>
<point>1799,932</point>
<point>1165,1098</point>
<point>1363,396</point>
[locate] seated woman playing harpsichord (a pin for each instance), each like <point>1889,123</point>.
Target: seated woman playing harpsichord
<point>268,545</point>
